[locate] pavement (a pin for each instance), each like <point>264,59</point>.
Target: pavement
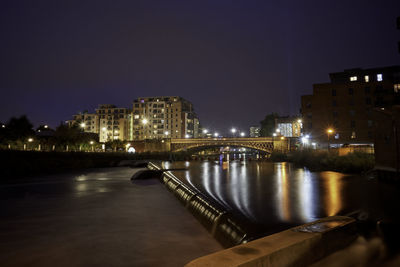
<point>97,217</point>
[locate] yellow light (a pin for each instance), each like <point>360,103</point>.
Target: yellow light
<point>91,142</point>
<point>46,126</point>
<point>329,131</point>
<point>30,140</point>
<point>282,137</point>
<point>145,121</point>
<point>83,125</point>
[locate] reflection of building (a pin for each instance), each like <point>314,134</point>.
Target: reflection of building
<point>289,126</point>
<point>346,103</point>
<point>255,131</point>
<point>113,123</point>
<point>163,117</point>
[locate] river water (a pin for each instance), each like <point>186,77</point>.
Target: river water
<point>276,196</point>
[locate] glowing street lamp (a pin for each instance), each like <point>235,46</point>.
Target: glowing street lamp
<point>83,125</point>
<point>242,134</point>
<point>30,140</point>
<point>216,134</point>
<point>329,132</point>
<point>205,131</point>
<point>46,126</point>
<point>91,142</point>
<point>233,130</point>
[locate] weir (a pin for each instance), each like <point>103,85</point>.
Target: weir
<point>220,222</point>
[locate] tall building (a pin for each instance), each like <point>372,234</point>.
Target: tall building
<point>163,117</point>
<point>113,123</point>
<point>345,104</point>
<point>289,126</point>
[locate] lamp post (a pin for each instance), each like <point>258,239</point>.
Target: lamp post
<point>233,130</point>
<point>329,131</point>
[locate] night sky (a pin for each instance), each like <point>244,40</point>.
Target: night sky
<point>236,61</point>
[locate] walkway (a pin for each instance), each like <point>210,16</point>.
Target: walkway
<point>97,218</point>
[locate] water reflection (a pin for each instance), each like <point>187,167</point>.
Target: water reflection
<point>332,197</point>
<point>269,193</point>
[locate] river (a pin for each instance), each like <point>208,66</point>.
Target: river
<point>276,196</point>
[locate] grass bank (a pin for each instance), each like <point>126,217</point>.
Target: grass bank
<point>30,163</point>
<point>314,160</point>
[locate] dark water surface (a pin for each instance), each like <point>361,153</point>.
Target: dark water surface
<point>278,195</point>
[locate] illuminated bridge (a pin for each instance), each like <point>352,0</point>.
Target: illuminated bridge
<point>264,144</point>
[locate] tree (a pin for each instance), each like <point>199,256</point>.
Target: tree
<point>19,129</point>
<point>268,125</point>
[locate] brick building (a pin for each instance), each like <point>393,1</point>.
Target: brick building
<point>346,104</point>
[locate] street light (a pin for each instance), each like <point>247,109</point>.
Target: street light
<point>216,134</point>
<point>205,131</point>
<point>242,134</point>
<point>83,125</point>
<point>329,131</point>
<point>30,140</point>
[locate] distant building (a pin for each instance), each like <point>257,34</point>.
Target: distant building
<point>109,122</point>
<point>89,122</point>
<point>255,131</point>
<point>163,117</point>
<point>289,126</point>
<point>345,104</point>
<point>113,123</point>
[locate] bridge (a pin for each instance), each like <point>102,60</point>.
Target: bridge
<point>264,144</point>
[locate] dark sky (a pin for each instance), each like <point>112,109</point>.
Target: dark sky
<point>235,60</point>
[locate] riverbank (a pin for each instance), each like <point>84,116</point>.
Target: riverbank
<point>315,160</point>
<point>14,163</point>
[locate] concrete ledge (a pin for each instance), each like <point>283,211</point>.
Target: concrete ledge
<point>298,246</point>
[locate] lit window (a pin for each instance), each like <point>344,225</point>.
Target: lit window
<point>353,78</point>
<point>353,135</point>
<point>397,87</point>
<point>366,78</point>
<point>379,77</point>
<point>136,116</point>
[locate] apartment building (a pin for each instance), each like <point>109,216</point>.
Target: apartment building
<point>163,117</point>
<point>89,122</point>
<point>114,123</point>
<point>345,104</point>
<point>109,122</point>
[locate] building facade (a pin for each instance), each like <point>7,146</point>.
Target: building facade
<point>113,123</point>
<point>163,117</point>
<point>89,122</point>
<point>289,126</point>
<point>255,131</point>
<point>109,122</point>
<point>345,105</point>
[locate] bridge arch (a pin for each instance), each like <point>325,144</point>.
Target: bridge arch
<point>265,145</point>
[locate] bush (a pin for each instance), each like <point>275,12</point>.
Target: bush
<point>356,162</point>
